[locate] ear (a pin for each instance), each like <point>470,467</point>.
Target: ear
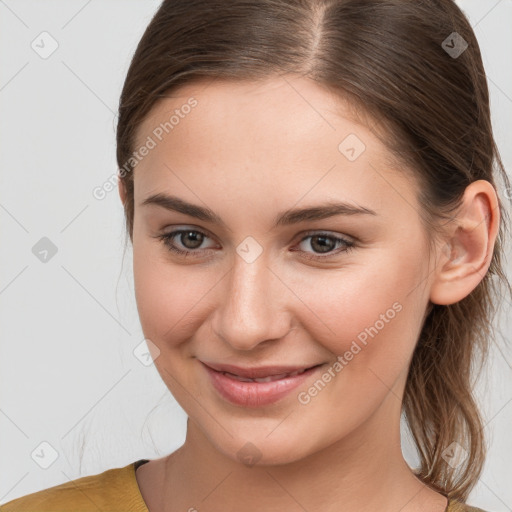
<point>469,245</point>
<point>122,190</point>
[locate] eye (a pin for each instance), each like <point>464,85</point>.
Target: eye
<point>190,240</point>
<point>325,243</point>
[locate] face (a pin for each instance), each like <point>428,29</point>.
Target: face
<point>341,287</point>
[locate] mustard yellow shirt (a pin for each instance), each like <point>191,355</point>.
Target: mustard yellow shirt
<point>114,490</point>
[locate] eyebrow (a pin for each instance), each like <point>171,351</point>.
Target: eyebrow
<point>285,218</point>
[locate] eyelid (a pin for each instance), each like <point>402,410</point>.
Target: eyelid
<point>348,241</point>
<point>300,236</point>
<point>187,227</point>
<point>178,230</point>
<point>326,232</point>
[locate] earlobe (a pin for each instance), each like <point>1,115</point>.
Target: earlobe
<point>468,248</point>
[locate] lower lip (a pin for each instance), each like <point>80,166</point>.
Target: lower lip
<point>256,394</point>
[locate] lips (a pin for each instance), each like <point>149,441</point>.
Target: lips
<point>257,387</point>
<point>259,374</point>
<point>270,378</point>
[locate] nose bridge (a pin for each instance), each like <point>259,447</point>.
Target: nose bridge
<point>249,312</point>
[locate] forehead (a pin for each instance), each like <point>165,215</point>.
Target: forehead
<point>286,136</point>
<point>259,104</point>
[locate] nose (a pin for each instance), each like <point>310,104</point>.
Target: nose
<point>252,306</point>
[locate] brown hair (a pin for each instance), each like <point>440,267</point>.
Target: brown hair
<point>389,59</point>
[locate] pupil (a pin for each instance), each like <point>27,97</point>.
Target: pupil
<point>194,235</point>
<point>322,247</point>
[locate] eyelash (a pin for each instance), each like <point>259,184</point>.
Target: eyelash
<point>167,237</point>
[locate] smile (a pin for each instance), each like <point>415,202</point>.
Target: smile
<point>269,378</point>
<point>257,391</point>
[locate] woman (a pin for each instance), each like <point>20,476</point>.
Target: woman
<point>309,190</point>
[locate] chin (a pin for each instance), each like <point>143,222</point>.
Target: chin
<point>264,450</point>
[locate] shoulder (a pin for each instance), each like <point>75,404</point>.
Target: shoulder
<point>113,490</point>
<point>458,506</point>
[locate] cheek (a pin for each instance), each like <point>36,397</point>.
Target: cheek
<point>373,322</point>
<point>371,308</point>
<point>167,296</point>
<point>174,301</point>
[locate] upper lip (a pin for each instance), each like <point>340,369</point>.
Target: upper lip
<point>257,372</point>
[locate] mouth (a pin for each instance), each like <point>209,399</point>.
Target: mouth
<point>257,386</point>
<point>269,378</point>
<point>261,373</point>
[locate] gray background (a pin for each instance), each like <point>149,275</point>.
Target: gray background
<point>68,373</point>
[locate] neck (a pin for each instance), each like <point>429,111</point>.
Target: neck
<point>364,471</point>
